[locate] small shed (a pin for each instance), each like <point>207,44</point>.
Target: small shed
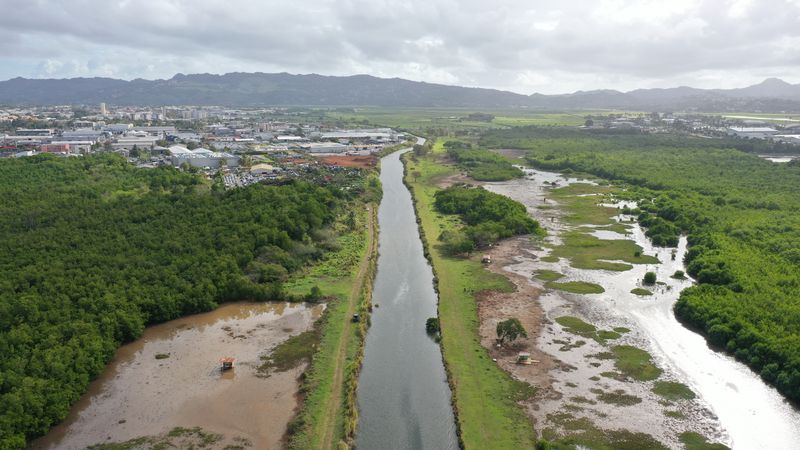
<point>227,363</point>
<point>524,358</point>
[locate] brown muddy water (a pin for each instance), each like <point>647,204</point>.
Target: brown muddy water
<point>733,405</point>
<point>140,395</point>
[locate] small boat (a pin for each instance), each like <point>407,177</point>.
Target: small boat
<point>227,363</point>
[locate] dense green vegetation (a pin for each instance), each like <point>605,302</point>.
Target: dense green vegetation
<point>741,217</point>
<point>94,249</point>
<point>481,164</point>
<point>489,217</point>
<point>510,329</point>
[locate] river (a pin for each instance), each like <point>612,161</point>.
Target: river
<point>142,394</point>
<point>404,400</point>
<point>745,413</point>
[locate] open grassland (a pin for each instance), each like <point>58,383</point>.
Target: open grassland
<point>485,397</point>
<point>448,120</point>
<point>572,119</point>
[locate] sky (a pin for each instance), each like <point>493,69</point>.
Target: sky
<point>524,46</point>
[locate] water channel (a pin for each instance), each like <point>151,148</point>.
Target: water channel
<point>403,395</point>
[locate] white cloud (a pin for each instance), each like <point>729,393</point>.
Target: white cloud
<point>524,46</point>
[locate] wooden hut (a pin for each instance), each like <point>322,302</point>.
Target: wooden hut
<point>227,363</point>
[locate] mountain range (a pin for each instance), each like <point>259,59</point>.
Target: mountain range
<point>283,89</point>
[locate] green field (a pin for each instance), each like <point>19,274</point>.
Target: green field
<point>485,397</point>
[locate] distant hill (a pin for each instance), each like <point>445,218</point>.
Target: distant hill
<point>258,89</point>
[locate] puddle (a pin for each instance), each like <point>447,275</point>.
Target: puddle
<point>141,395</point>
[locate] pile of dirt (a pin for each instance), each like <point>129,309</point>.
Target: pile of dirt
<point>360,162</point>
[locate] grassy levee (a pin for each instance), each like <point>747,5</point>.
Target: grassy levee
<point>484,396</point>
<point>328,415</point>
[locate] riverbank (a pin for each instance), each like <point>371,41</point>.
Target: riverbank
<point>328,416</point>
<point>485,398</point>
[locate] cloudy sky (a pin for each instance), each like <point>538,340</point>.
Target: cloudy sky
<point>524,46</point>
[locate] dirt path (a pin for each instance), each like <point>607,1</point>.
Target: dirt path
<point>335,399</point>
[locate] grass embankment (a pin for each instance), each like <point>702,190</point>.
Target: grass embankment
<point>484,396</point>
<point>328,416</point>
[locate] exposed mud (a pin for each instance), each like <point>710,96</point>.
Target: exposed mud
<point>171,377</point>
<point>522,304</point>
<point>575,375</point>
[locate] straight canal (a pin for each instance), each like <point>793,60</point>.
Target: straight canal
<point>403,395</point>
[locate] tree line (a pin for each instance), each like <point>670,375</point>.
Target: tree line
<point>488,217</point>
<point>481,164</point>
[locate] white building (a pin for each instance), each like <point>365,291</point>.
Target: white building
<point>326,147</point>
<point>118,128</point>
<point>378,134</point>
<point>753,132</point>
<point>140,142</point>
<point>201,157</point>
